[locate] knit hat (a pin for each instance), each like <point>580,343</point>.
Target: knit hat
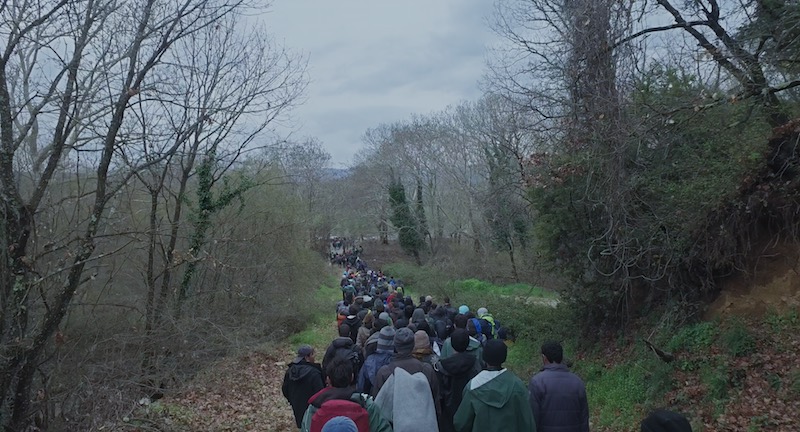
<point>378,324</point>
<point>386,339</point>
<point>384,316</point>
<point>404,341</point>
<point>421,340</point>
<point>482,311</point>
<point>459,340</point>
<point>495,352</point>
<point>340,424</point>
<point>302,352</point>
<point>463,309</point>
<point>428,298</point>
<point>665,421</point>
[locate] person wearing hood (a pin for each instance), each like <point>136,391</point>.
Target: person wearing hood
<point>454,373</point>
<point>366,330</point>
<point>342,346</point>
<point>422,348</point>
<point>353,322</point>
<point>403,346</point>
<point>302,380</point>
<point>340,398</point>
<point>495,399</point>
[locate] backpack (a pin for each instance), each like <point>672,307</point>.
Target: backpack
<point>354,355</point>
<point>490,322</point>
<point>479,335</point>
<point>355,409</point>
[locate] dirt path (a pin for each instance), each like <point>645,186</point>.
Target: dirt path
<point>238,393</point>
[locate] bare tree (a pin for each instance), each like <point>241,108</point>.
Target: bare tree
<point>101,63</point>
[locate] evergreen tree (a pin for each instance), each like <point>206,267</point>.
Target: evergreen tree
<point>404,221</point>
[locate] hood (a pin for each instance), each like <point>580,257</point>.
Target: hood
<point>331,393</point>
<point>342,342</point>
<point>299,371</point>
<point>494,396</point>
<point>458,364</point>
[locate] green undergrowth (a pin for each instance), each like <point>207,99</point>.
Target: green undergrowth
<point>321,328</point>
<point>624,378</point>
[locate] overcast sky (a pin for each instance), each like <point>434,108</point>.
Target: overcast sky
<point>378,61</point>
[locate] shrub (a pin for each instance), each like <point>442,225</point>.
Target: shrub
<point>737,340</point>
<point>694,338</point>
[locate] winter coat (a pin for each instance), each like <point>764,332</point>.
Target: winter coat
<point>494,401</point>
<point>404,400</point>
<point>377,422</point>
<point>371,345</point>
<point>475,348</point>
<point>343,346</point>
<point>412,366</point>
<point>558,400</point>
<point>362,336</point>
<point>355,323</point>
<point>373,363</point>
<point>454,373</point>
<point>301,381</point>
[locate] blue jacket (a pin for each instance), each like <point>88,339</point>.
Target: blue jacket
<point>366,377</point>
<point>558,400</point>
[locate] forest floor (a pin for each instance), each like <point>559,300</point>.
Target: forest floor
<point>757,389</point>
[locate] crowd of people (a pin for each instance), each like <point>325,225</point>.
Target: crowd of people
<point>400,365</point>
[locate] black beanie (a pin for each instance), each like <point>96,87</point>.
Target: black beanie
<point>459,340</point>
<point>495,352</point>
<point>665,421</point>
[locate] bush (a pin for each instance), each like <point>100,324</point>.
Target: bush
<point>694,338</point>
<point>738,341</point>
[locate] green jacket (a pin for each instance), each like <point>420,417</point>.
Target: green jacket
<point>377,423</point>
<point>494,400</point>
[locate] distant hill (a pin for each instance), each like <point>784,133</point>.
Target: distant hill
<point>336,173</point>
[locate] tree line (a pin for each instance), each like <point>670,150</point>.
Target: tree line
<point>628,153</point>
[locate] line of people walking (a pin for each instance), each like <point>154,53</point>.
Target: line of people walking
<point>403,366</point>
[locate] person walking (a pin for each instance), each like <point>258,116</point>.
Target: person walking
<point>454,373</point>
<point>558,396</point>
<point>495,400</point>
<point>303,379</point>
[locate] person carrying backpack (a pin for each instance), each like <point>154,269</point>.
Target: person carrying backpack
<point>488,323</point>
<point>341,399</point>
<point>343,347</point>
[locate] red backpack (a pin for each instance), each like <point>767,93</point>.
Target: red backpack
<point>355,411</point>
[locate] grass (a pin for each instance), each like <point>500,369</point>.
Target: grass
<point>322,328</point>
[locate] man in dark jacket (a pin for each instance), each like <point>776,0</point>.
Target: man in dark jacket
<point>454,373</point>
<point>343,347</point>
<point>353,321</point>
<point>558,396</point>
<point>302,380</point>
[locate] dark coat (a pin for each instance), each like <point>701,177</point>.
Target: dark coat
<point>301,381</point>
<point>341,346</point>
<point>454,373</point>
<point>354,322</point>
<point>558,400</point>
